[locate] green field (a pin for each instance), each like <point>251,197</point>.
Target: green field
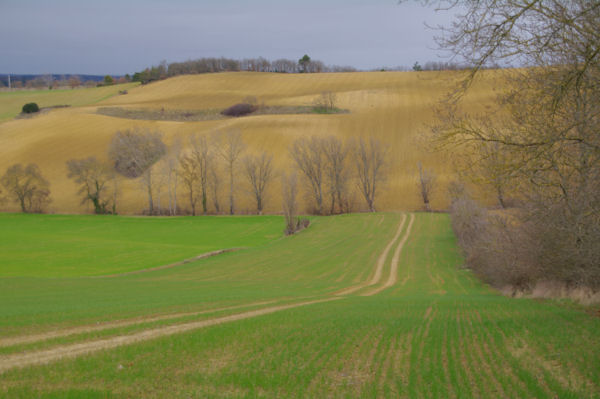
<point>287,317</point>
<point>11,102</point>
<point>72,246</point>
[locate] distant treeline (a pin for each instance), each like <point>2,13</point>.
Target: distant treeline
<point>212,65</point>
<point>53,80</point>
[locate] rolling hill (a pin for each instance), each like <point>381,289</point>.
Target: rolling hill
<point>394,107</point>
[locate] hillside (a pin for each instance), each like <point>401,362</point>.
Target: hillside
<point>356,306</point>
<point>395,107</point>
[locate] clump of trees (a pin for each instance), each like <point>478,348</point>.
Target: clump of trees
<point>214,65</point>
<point>26,186</point>
<point>541,142</point>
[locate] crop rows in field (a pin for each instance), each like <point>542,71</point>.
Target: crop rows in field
<point>434,332</point>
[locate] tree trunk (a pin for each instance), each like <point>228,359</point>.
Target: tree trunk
<point>231,190</point>
<point>149,186</point>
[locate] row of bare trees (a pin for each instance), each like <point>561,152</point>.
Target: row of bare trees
<point>331,171</point>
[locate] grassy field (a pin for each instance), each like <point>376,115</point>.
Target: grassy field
<point>72,246</point>
<point>11,102</point>
<point>395,107</point>
<point>301,316</point>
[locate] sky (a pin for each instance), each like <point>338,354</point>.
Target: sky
<point>118,37</point>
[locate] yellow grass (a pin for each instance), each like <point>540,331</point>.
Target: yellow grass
<point>395,107</point>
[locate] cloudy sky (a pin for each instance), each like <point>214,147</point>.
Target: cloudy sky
<point>118,37</point>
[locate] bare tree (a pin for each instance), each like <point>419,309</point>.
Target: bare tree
<point>27,187</point>
<point>190,174</point>
<point>259,172</point>
<point>326,101</point>
<point>290,207</point>
<point>134,152</point>
<point>93,177</point>
<point>426,185</point>
<point>336,172</point>
<point>545,126</point>
<point>369,156</point>
<point>171,170</point>
<point>159,182</point>
<point>202,155</point>
<point>214,184</point>
<point>309,157</point>
<point>493,168</point>
<point>230,148</point>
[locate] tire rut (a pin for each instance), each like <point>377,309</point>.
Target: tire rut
<point>379,265</point>
<point>393,278</point>
<point>29,339</point>
<point>73,350</point>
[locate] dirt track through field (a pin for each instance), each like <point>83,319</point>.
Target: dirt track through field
<point>44,356</point>
<point>380,263</point>
<point>28,339</point>
<point>78,349</point>
<point>395,259</point>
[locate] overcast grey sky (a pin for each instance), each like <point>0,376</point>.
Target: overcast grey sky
<point>118,37</point>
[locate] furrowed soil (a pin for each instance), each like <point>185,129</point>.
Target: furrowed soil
<point>427,328</point>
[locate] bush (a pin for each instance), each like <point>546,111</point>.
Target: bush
<point>240,109</point>
<point>497,247</point>
<point>30,108</point>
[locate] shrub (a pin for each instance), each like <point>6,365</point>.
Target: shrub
<point>30,108</point>
<point>240,109</point>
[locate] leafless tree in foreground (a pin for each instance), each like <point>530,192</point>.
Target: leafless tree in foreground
<point>27,187</point>
<point>93,177</point>
<point>290,207</point>
<point>134,152</point>
<point>426,185</point>
<point>336,173</point>
<point>369,156</point>
<point>259,172</point>
<point>230,147</point>
<point>546,125</point>
<point>310,159</point>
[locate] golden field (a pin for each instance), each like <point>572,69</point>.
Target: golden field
<point>395,107</point>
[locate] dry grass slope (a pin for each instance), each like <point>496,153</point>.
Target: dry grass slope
<point>395,107</point>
